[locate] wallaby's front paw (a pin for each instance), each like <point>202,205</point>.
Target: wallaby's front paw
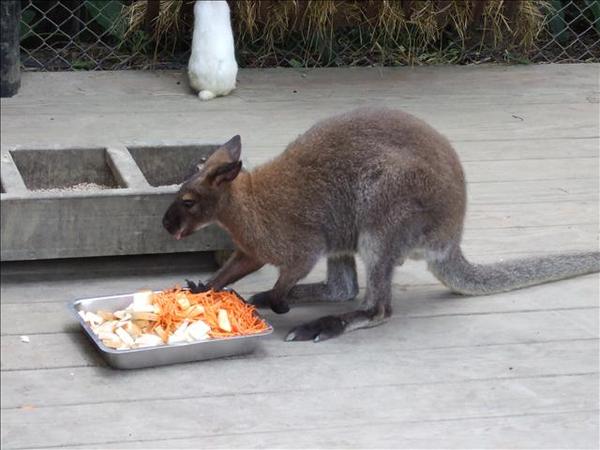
<point>261,300</point>
<point>265,299</point>
<point>318,330</point>
<point>196,288</point>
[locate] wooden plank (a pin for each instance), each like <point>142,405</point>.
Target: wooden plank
<point>408,82</point>
<point>490,171</point>
<point>99,423</point>
<point>342,95</point>
<point>489,150</point>
<point>436,80</point>
<point>556,191</point>
<point>486,216</point>
<point>401,333</point>
<point>70,386</point>
<point>558,239</point>
<point>256,126</point>
<point>575,429</point>
<point>56,350</point>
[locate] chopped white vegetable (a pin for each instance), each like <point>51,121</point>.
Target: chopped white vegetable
<point>132,329</point>
<point>179,334</point>
<point>107,335</point>
<point>148,340</point>
<point>198,330</point>
<point>182,327</point>
<point>106,327</point>
<point>195,309</point>
<point>112,343</point>
<point>93,319</point>
<point>124,336</point>
<point>106,315</point>
<point>183,300</point>
<point>142,308</point>
<point>223,319</point>
<point>176,338</point>
<point>141,299</point>
<point>135,315</point>
<point>123,315</point>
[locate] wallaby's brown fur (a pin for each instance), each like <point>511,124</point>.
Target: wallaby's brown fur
<point>377,182</point>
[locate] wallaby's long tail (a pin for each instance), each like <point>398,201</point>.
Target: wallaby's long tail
<point>463,277</point>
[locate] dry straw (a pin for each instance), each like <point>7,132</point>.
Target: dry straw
<point>333,32</point>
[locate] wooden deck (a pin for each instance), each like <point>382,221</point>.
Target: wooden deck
<point>516,370</point>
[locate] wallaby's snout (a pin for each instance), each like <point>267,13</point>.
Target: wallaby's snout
<point>172,223</point>
<point>193,208</point>
<point>198,199</point>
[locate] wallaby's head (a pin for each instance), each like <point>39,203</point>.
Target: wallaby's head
<point>198,198</point>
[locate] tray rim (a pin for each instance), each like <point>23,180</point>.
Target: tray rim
<point>72,306</point>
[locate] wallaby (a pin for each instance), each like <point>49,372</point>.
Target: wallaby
<point>377,182</point>
<point>212,68</point>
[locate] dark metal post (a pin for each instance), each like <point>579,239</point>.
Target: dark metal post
<point>10,61</point>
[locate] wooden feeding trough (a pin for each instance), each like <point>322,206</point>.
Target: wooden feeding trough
<point>79,202</point>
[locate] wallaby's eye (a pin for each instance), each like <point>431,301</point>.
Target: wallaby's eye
<point>188,203</point>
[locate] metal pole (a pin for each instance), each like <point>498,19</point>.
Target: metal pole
<point>10,61</point>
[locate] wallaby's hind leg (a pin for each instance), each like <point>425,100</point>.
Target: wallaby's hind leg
<point>376,307</point>
<point>341,284</point>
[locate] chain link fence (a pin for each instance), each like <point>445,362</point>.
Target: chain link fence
<point>76,35</point>
<point>571,32</point>
<point>141,34</point>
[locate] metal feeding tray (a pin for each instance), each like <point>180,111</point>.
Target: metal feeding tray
<point>163,354</point>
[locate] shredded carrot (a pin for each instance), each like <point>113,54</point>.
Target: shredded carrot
<point>242,316</point>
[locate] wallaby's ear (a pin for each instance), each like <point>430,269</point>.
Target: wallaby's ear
<point>224,173</point>
<point>224,164</point>
<point>228,152</point>
<point>234,147</point>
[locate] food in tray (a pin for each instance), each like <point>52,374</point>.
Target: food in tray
<point>174,316</point>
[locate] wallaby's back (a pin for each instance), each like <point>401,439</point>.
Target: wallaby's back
<point>366,167</point>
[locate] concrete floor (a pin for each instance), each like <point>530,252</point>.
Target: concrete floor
<point>514,370</point>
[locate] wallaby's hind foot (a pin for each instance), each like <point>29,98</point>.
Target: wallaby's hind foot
<point>206,95</point>
<point>377,302</point>
<point>331,326</point>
